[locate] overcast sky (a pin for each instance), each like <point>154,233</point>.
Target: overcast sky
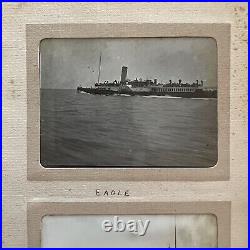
<point>68,63</point>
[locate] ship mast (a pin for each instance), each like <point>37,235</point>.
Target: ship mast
<point>99,71</point>
<point>175,236</point>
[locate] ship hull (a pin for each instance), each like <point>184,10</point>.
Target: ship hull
<point>196,94</point>
<point>96,91</point>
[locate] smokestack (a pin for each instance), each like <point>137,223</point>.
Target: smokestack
<point>124,74</point>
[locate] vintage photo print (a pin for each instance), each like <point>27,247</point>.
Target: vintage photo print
<point>131,231</point>
<point>128,102</point>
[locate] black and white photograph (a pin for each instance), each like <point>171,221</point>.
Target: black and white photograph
<point>128,102</point>
<point>130,231</point>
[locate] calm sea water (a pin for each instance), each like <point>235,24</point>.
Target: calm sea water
<point>87,130</point>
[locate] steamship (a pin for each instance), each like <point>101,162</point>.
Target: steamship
<point>148,87</point>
